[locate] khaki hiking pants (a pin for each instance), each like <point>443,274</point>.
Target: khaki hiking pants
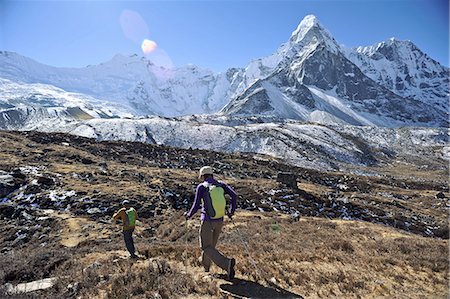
<point>209,234</point>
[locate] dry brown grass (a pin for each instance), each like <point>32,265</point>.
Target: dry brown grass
<point>313,257</point>
<point>118,277</point>
<point>326,258</point>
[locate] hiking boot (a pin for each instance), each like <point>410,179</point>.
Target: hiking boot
<point>230,272</point>
<point>134,256</point>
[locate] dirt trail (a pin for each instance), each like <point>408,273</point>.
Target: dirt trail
<point>78,229</point>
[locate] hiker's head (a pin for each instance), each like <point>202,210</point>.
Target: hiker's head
<point>205,172</point>
<point>126,203</point>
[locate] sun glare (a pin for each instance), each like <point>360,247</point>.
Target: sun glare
<point>133,26</point>
<point>148,46</point>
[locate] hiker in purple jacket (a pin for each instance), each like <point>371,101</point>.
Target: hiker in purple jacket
<point>210,197</point>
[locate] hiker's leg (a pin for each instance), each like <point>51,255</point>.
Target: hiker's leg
<point>133,249</point>
<point>218,258</point>
<point>226,263</point>
<point>128,237</point>
<point>217,229</point>
<point>206,239</point>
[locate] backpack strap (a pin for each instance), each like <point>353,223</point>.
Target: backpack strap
<point>206,185</point>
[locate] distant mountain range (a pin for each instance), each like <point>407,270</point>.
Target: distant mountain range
<point>309,78</point>
<point>313,102</point>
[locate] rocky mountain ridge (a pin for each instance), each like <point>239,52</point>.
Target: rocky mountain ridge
<point>310,77</point>
<point>303,144</point>
<point>404,69</point>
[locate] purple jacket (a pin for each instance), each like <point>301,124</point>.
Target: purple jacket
<point>200,193</point>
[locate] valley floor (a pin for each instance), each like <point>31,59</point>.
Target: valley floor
<point>338,235</point>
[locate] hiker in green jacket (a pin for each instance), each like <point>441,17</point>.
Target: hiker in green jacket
<point>128,216</point>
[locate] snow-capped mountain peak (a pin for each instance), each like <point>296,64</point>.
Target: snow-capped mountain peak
<point>308,36</point>
<point>130,81</point>
<point>310,77</point>
<point>305,25</point>
<point>382,49</point>
<point>404,69</point>
<point>310,31</point>
<point>121,59</point>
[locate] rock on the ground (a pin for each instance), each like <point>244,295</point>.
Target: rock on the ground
<point>288,179</point>
<point>440,195</point>
<point>94,211</point>
<point>36,285</point>
<point>7,209</point>
<point>44,180</point>
<point>8,184</point>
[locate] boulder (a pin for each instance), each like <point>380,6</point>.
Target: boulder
<point>22,237</point>
<point>7,184</point>
<point>44,180</point>
<point>94,211</point>
<point>440,195</point>
<point>18,175</point>
<point>31,286</point>
<point>442,232</point>
<point>7,209</point>
<point>86,161</point>
<point>288,179</point>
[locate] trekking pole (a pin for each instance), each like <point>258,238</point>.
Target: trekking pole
<point>186,244</point>
<point>186,225</point>
<point>257,270</point>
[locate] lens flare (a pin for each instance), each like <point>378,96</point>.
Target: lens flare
<point>160,58</point>
<point>148,46</point>
<point>133,26</point>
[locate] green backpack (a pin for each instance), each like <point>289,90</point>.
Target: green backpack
<point>131,217</point>
<point>215,202</point>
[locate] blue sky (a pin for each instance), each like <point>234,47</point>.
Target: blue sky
<point>211,34</point>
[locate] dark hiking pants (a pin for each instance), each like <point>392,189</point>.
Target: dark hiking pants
<point>128,237</point>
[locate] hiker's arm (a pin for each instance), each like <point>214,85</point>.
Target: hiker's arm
<point>196,205</point>
<point>233,195</point>
<point>117,215</point>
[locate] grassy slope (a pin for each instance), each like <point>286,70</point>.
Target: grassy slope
<point>313,257</point>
